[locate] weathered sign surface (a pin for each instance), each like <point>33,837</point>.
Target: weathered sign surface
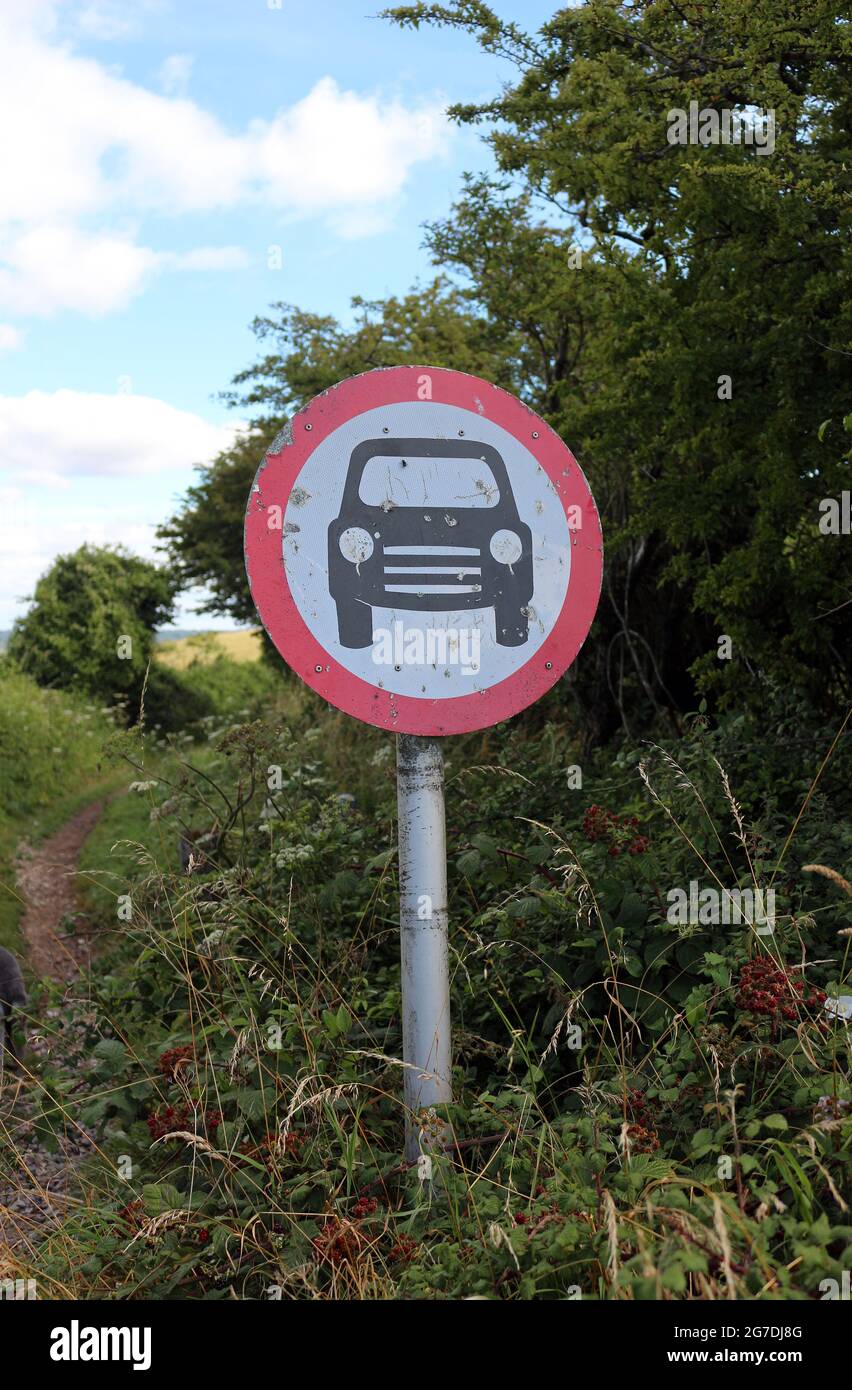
<point>423,550</point>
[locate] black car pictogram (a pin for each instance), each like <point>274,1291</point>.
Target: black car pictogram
<point>430,525</point>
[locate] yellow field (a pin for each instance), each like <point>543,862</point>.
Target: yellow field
<point>239,646</point>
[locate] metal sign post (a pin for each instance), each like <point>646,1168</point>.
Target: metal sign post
<point>426,1046</point>
<point>426,554</point>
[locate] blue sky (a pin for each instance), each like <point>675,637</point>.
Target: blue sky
<point>158,151</point>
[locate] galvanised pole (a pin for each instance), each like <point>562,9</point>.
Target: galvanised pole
<point>426,1040</point>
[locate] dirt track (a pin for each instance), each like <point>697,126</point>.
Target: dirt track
<point>46,879</point>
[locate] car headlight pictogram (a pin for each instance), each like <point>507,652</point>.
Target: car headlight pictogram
<point>506,547</point>
<point>356,544</point>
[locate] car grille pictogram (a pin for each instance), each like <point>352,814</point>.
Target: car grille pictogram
<point>431,569</point>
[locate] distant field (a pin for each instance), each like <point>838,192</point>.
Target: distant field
<point>207,646</point>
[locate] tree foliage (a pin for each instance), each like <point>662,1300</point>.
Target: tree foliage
<point>699,263</point>
<point>92,622</point>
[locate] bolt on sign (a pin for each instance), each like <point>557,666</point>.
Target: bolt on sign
<point>426,554</point>
<point>423,550</point>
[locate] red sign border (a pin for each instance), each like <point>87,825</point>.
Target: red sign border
<point>284,623</point>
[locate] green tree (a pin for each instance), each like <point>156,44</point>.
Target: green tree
<point>92,622</point>
<point>691,355</point>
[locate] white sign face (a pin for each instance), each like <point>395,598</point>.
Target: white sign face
<point>436,508</point>
<point>423,550</point>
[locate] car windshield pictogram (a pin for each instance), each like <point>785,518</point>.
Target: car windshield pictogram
<point>446,481</point>
<point>429,525</point>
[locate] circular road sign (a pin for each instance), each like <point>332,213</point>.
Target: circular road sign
<point>423,550</point>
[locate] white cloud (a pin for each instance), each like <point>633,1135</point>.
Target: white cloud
<point>174,73</point>
<point>95,143</point>
<point>47,269</point>
<point>10,338</point>
<point>104,21</point>
<point>39,15</point>
<point>337,149</point>
<point>79,433</point>
<point>93,152</point>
